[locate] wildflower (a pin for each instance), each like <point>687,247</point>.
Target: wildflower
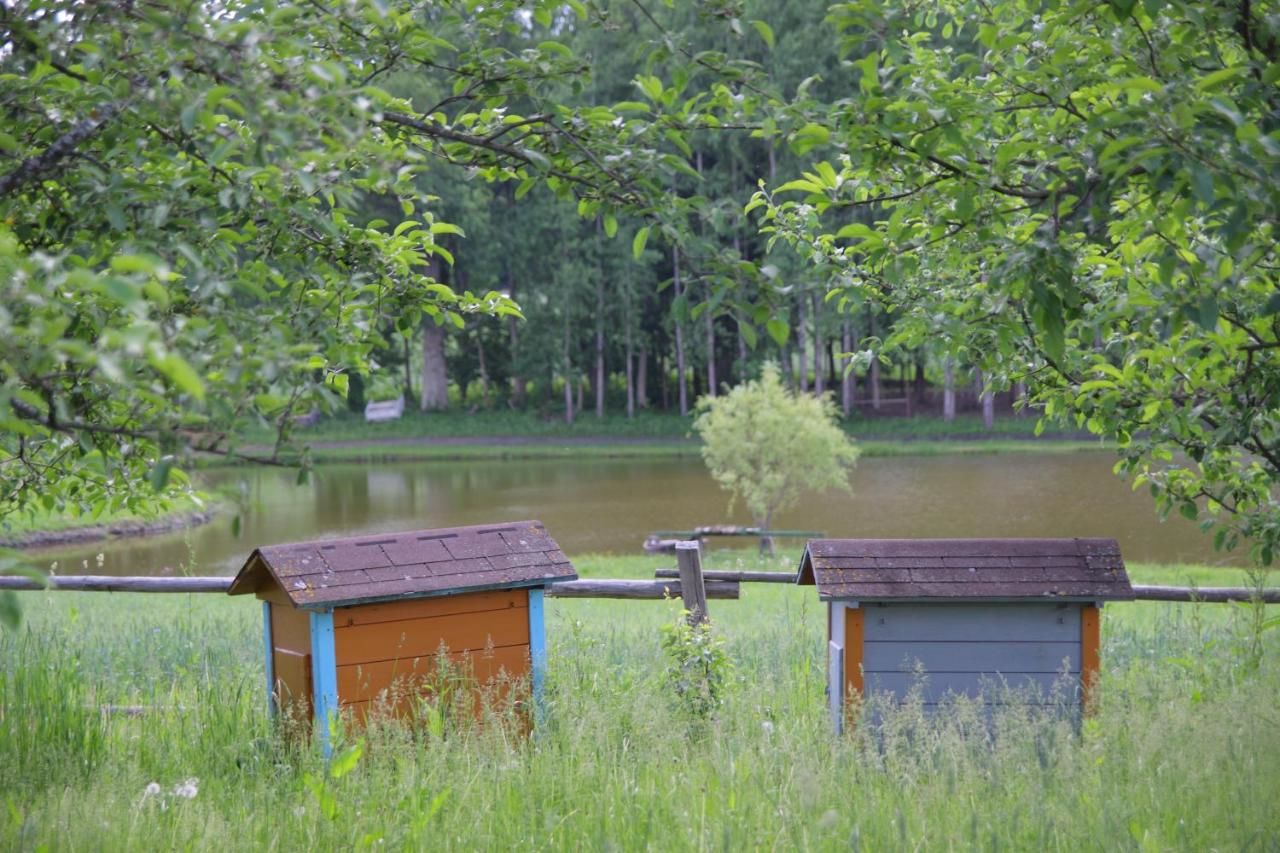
<point>767,725</point>
<point>152,790</point>
<point>188,789</point>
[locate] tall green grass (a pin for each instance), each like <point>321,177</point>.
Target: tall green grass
<point>1182,753</point>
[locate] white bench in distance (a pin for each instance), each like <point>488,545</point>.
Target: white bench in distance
<point>385,410</point>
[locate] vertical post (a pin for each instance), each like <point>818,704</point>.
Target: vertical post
<point>538,653</point>
<point>324,677</point>
<point>693,590</point>
<point>854,622</point>
<point>269,645</point>
<point>1090,654</point>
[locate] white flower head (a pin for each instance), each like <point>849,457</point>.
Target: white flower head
<point>152,790</point>
<point>188,789</point>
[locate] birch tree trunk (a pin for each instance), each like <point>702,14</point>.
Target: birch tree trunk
<point>435,376</point>
<point>873,374</point>
<point>819,351</point>
<point>599,382</point>
<point>948,389</point>
<point>802,375</point>
<point>847,380</point>
<point>711,348</point>
<point>681,379</point>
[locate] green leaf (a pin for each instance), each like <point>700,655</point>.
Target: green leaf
<point>638,242</point>
<point>160,473</point>
<point>779,330</point>
<point>176,369</point>
<point>10,610</point>
<point>347,760</point>
<point>1221,76</point>
<point>610,225</point>
<point>748,333</point>
<point>765,31</point>
<point>446,228</point>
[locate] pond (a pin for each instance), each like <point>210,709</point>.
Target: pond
<point>609,505</point>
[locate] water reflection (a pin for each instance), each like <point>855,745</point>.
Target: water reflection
<point>609,505</point>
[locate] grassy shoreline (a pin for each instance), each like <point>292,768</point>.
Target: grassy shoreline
<point>1181,753</point>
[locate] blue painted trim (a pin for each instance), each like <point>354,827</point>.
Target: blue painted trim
<point>538,653</point>
<point>270,666</point>
<point>324,678</point>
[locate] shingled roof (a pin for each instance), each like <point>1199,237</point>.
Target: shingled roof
<point>416,564</point>
<point>949,569</point>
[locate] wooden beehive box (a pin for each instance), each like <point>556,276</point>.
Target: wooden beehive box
<point>961,616</point>
<point>351,624</point>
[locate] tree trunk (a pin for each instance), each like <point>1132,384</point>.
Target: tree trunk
<point>873,374</point>
<point>819,359</point>
<point>519,385</point>
<point>711,349</point>
<point>435,375</point>
<point>408,368</point>
<point>568,379</point>
<point>681,379</point>
<point>642,380</point>
<point>948,389</point>
<point>802,375</point>
<point>631,386</point>
<point>988,406</point>
<point>484,372</point>
<point>847,383</point>
<point>599,375</point>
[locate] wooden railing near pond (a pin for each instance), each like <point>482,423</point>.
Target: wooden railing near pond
<point>1142,592</point>
<point>719,584</point>
<point>595,588</point>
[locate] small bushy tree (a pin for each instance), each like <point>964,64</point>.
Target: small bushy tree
<point>766,445</point>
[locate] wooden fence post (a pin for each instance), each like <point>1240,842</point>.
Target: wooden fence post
<point>692,588</point>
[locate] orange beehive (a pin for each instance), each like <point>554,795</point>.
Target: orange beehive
<point>354,624</point>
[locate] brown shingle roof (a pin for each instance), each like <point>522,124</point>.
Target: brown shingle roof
<point>419,563</point>
<point>988,569</point>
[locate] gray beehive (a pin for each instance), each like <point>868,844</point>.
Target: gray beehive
<point>959,616</point>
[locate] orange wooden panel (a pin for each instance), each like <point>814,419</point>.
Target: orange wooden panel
<point>290,629</point>
<point>293,684</point>
<point>411,638</point>
<point>361,682</point>
<point>420,608</point>
<point>1090,652</point>
<point>357,714</point>
<point>853,629</point>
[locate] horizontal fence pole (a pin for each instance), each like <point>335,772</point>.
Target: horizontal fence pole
<point>109,583</point>
<point>735,576</point>
<point>602,588</point>
<point>720,585</point>
<point>1209,594</point>
<point>634,589</point>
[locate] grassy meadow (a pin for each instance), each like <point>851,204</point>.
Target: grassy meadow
<point>1183,752</point>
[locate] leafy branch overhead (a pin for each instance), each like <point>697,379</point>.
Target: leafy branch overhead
<point>184,242</point>
<point>1082,197</point>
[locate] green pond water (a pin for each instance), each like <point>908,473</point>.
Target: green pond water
<point>608,506</point>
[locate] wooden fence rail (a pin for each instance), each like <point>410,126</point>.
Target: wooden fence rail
<point>719,585</point>
<point>601,588</point>
<point>1142,592</point>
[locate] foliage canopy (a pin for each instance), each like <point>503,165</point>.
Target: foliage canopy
<point>1080,196</point>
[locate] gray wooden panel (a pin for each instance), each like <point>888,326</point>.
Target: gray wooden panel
<point>970,657</point>
<point>972,622</point>
<point>936,686</point>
